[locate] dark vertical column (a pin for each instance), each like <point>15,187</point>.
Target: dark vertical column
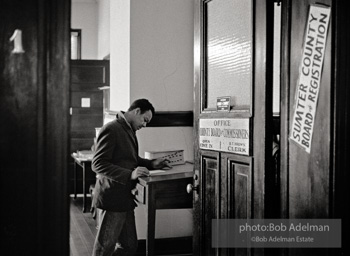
<point>54,214</point>
<point>33,130</point>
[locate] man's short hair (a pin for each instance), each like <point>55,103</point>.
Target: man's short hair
<point>143,104</point>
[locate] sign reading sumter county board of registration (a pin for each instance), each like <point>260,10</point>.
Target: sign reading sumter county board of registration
<point>226,135</point>
<point>310,73</point>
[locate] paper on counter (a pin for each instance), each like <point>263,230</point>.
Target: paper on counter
<point>155,172</point>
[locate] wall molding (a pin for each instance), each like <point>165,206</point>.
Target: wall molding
<point>165,118</point>
<point>172,119</point>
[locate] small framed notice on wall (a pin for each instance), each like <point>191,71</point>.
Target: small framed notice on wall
<point>85,102</point>
<point>223,104</point>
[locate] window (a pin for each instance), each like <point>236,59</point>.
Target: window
<point>228,40</point>
<point>75,38</point>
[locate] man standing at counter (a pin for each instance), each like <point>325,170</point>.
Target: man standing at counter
<point>118,165</point>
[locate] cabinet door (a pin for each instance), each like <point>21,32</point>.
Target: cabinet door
<point>86,101</point>
<point>86,105</point>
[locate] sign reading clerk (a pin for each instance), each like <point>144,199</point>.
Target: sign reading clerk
<point>227,135</point>
<point>310,72</point>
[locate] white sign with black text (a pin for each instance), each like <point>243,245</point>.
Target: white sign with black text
<point>310,73</point>
<point>226,135</point>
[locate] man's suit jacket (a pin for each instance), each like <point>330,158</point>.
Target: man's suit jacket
<point>115,158</point>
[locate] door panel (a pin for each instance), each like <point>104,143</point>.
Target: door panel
<point>242,190</point>
<point>237,189</point>
<point>209,192</point>
<point>236,184</point>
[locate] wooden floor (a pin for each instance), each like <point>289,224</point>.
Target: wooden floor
<point>83,231</point>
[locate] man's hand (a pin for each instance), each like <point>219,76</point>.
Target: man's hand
<point>160,163</point>
<point>139,171</point>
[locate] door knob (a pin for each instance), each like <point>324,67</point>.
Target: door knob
<point>135,192</point>
<point>190,188</point>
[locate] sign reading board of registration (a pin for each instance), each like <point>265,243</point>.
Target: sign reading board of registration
<point>226,135</point>
<point>310,74</point>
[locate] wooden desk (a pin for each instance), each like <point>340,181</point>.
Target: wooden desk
<point>85,164</point>
<point>164,191</point>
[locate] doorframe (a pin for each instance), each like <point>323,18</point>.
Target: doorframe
<point>285,103</point>
<point>341,150</point>
<point>53,123</point>
<point>263,84</point>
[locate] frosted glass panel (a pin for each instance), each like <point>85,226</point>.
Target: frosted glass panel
<point>229,52</point>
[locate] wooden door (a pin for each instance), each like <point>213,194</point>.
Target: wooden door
<point>232,114</point>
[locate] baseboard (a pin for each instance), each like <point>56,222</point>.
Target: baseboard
<point>168,246</point>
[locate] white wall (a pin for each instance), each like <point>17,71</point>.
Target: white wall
<point>120,54</point>
<point>162,53</point>
<point>152,49</point>
<point>103,43</point>
<point>85,17</point>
